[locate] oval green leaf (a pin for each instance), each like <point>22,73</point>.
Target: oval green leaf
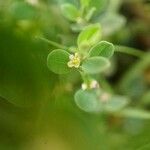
<point>87,100</point>
<point>103,48</point>
<point>70,12</point>
<point>116,103</point>
<point>95,65</point>
<point>85,3</point>
<point>112,22</point>
<point>89,36</point>
<point>57,61</point>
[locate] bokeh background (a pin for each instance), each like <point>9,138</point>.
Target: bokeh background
<point>37,108</point>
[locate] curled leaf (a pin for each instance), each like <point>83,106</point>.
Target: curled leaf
<point>89,36</point>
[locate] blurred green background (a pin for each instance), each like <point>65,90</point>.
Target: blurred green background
<point>37,108</point>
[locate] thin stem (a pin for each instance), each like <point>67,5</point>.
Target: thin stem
<point>53,43</point>
<point>129,51</point>
<point>85,77</point>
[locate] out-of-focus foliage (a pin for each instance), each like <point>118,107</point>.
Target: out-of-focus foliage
<point>37,108</point>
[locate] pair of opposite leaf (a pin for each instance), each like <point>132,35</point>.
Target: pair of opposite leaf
<point>91,57</point>
<point>74,14</point>
<point>96,100</point>
<point>61,62</point>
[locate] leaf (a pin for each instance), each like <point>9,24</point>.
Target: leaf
<point>90,13</point>
<point>89,36</point>
<point>135,113</point>
<point>95,65</point>
<point>100,5</point>
<point>57,61</point>
<point>111,23</point>
<point>87,100</point>
<point>103,48</point>
<point>133,82</point>
<point>116,103</point>
<point>70,12</point>
<point>85,3</point>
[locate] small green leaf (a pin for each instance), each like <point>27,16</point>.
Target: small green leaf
<point>116,103</point>
<point>57,61</point>
<point>70,12</point>
<point>85,3</point>
<point>95,65</point>
<point>87,100</point>
<point>90,13</point>
<point>103,48</point>
<point>135,113</point>
<point>100,5</point>
<point>112,22</point>
<point>89,36</point>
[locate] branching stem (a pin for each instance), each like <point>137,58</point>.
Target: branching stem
<point>129,51</point>
<point>53,43</point>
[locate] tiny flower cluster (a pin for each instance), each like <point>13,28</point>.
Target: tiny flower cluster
<point>93,85</point>
<point>74,61</point>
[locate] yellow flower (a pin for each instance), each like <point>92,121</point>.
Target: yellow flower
<point>74,61</point>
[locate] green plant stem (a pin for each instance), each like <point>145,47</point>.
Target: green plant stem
<point>53,43</point>
<point>129,51</point>
<point>85,77</point>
